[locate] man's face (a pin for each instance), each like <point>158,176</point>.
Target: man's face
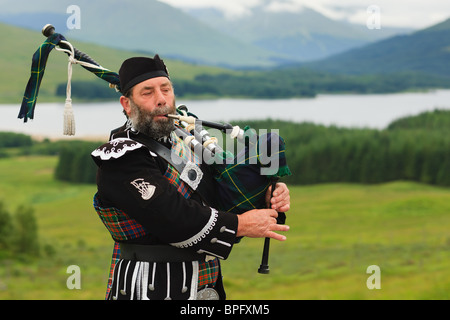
<point>148,105</point>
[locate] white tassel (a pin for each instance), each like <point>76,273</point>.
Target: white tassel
<point>69,119</point>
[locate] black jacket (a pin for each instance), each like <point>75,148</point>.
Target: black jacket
<point>131,178</point>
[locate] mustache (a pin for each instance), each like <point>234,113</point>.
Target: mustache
<point>163,111</point>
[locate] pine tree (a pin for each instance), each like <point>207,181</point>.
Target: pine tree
<point>26,231</point>
<point>5,227</point>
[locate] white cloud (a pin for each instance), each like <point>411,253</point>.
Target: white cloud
<point>283,6</point>
<point>231,8</point>
<point>401,13</point>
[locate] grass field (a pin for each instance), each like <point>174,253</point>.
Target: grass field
<point>337,231</point>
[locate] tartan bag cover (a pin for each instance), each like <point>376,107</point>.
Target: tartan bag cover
<point>242,184</point>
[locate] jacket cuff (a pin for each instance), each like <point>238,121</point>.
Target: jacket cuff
<point>217,236</point>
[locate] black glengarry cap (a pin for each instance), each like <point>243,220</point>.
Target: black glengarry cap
<point>138,69</point>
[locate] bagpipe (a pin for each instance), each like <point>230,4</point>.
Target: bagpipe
<point>241,177</point>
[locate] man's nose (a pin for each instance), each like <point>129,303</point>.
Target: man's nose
<point>160,99</point>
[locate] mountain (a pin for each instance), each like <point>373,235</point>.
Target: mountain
<point>425,51</point>
<point>148,26</point>
<point>204,36</point>
<point>300,35</point>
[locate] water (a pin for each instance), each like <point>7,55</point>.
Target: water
<point>370,111</point>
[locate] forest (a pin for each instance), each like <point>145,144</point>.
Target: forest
<point>415,148</point>
<point>275,84</point>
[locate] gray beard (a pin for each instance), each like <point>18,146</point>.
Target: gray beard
<point>143,121</point>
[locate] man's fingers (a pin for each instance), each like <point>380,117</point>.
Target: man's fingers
<point>273,213</point>
<point>281,198</point>
<point>260,223</point>
<point>280,227</point>
<point>284,208</point>
<point>276,236</point>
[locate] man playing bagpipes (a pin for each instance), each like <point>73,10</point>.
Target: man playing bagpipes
<point>171,215</point>
<point>169,235</point>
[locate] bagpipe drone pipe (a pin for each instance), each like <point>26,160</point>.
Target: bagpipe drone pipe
<point>241,178</point>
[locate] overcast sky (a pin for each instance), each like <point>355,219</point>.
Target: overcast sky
<point>415,14</point>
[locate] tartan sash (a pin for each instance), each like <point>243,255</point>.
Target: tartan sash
<point>119,224</point>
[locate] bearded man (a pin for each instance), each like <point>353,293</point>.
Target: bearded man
<point>168,236</point>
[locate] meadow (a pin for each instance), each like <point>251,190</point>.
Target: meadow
<point>337,232</point>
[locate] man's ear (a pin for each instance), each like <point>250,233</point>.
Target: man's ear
<point>125,102</point>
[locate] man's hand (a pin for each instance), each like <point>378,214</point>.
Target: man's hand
<point>260,223</point>
<point>281,200</point>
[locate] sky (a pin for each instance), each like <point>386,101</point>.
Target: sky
<point>415,14</point>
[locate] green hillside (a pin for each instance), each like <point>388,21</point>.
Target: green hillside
<point>445,25</point>
<point>20,44</point>
<point>337,231</point>
<point>419,61</point>
<point>426,51</point>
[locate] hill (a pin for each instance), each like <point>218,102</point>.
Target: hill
<point>15,63</point>
<point>300,34</point>
<point>425,51</point>
<point>141,25</point>
<point>438,120</point>
<point>413,62</point>
<point>418,61</point>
